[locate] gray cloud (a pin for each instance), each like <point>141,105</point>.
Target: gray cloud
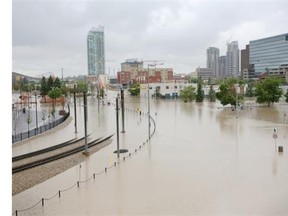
<point>50,35</point>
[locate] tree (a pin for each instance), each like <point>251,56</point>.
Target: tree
<point>188,94</point>
<point>28,120</point>
<point>193,80</point>
<point>44,87</point>
<point>157,93</point>
<point>81,86</point>
<point>15,118</point>
<point>212,94</point>
<point>286,96</point>
<point>57,83</point>
<point>102,92</point>
<point>249,90</point>
<point>228,93</point>
<point>134,89</point>
<point>200,92</point>
<point>268,91</point>
<point>53,94</point>
<point>50,83</point>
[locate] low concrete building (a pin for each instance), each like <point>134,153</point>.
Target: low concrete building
<point>205,74</point>
<point>170,90</point>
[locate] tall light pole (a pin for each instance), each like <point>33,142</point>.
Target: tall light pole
<point>148,104</point>
<point>117,127</point>
<point>85,122</point>
<point>149,122</point>
<point>236,89</point>
<point>75,112</point>
<point>36,111</point>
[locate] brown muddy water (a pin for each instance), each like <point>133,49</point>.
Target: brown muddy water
<point>202,160</point>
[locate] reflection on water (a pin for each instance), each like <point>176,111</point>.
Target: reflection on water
<point>201,160</point>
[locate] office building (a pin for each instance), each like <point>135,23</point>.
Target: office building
<point>268,53</point>
<point>247,70</point>
<point>232,59</point>
<point>244,60</point>
<point>96,52</point>
<point>213,60</point>
<point>206,74</point>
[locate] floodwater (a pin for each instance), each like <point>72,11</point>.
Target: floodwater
<point>202,160</point>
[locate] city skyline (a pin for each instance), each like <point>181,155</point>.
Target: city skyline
<point>175,32</point>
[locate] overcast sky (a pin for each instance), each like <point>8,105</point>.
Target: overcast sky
<point>48,35</point>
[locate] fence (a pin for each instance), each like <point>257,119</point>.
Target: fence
<point>39,130</point>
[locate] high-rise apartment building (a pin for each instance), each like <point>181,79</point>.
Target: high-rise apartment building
<point>213,60</point>
<point>232,59</point>
<point>96,51</point>
<point>222,66</point>
<point>268,53</point>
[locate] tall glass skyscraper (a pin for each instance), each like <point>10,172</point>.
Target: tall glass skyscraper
<point>222,66</point>
<point>232,59</point>
<point>96,51</point>
<point>268,53</point>
<point>213,60</point>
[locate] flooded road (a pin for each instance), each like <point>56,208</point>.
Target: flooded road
<point>202,159</point>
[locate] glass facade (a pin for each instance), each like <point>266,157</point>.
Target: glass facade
<point>268,53</point>
<point>232,59</point>
<point>212,60</point>
<point>96,52</point>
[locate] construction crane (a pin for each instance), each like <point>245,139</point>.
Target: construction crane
<point>228,41</point>
<point>154,62</point>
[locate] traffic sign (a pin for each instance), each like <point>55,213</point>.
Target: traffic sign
<point>275,136</point>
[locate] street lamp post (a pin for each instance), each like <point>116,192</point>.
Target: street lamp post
<point>85,123</point>
<point>75,112</point>
<point>36,112</point>
<point>117,127</point>
<point>122,110</point>
<point>148,104</point>
<point>236,89</point>
<point>149,122</point>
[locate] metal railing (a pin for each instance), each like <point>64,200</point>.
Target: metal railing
<point>35,131</point>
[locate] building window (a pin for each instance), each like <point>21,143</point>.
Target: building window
<point>175,87</point>
<point>167,87</point>
<point>286,37</point>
